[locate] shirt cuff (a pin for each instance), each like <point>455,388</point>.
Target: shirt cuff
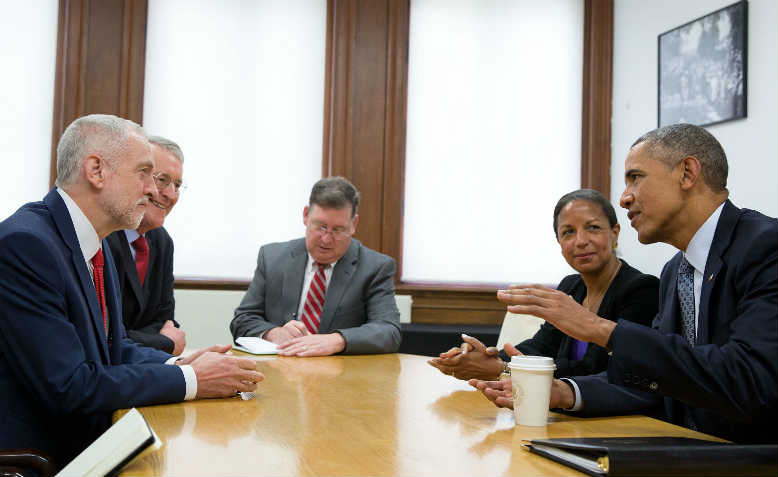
<point>190,378</point>
<point>578,405</point>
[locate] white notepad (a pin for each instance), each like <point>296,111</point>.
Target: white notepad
<point>129,437</point>
<point>254,345</point>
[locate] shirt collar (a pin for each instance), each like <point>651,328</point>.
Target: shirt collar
<point>311,261</point>
<point>87,237</point>
<point>697,251</point>
<point>132,235</point>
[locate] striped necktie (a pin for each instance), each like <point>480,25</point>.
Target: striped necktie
<point>314,302</point>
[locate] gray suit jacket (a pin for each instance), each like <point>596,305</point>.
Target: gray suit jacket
<point>359,303</point>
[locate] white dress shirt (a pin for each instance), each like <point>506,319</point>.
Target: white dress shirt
<point>90,243</point>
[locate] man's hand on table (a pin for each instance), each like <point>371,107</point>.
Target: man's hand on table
<point>222,375</point>
<point>313,345</point>
<point>501,393</point>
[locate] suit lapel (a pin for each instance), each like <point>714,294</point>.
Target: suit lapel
<point>130,272</point>
<point>341,278</point>
<point>671,311</point>
<point>293,279</point>
<point>64,222</point>
<point>721,241</point>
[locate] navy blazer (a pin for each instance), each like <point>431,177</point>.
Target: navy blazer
<point>727,382</point>
<point>61,378</point>
<point>146,308</point>
<point>632,296</point>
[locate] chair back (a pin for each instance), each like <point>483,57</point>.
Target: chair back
<point>517,328</point>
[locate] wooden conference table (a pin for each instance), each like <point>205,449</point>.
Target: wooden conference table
<point>361,415</point>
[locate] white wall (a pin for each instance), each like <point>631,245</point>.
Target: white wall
<point>751,144</point>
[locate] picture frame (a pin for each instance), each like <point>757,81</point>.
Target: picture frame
<point>702,69</point>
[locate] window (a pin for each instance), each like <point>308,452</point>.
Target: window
<point>27,96</point>
<point>493,138</point>
<point>240,86</point>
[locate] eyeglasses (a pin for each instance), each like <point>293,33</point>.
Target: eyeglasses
<point>163,181</point>
<point>321,230</point>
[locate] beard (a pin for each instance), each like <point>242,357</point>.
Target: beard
<point>124,213</point>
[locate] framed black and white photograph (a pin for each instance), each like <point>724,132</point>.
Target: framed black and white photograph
<point>702,69</point>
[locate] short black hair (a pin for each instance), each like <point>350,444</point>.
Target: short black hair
<point>589,195</point>
<point>335,193</point>
<point>670,144</point>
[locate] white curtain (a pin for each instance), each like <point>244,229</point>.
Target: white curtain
<point>28,48</point>
<point>240,86</point>
<point>494,138</point>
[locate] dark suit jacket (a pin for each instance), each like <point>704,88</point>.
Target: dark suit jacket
<point>145,309</point>
<point>632,296</point>
<point>60,377</point>
<point>728,381</point>
<point>359,302</point>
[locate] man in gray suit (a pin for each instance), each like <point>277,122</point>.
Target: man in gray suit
<point>325,293</point>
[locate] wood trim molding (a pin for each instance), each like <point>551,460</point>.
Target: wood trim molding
<point>597,95</point>
<point>364,111</point>
<point>204,283</point>
<point>101,61</point>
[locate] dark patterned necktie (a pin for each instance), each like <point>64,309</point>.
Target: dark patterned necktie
<point>686,300</point>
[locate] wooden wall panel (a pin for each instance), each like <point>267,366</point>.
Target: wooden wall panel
<point>364,138</point>
<point>597,96</point>
<point>101,58</point>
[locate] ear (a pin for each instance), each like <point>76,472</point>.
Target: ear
<point>616,229</point>
<point>305,215</point>
<point>95,170</point>
<point>354,223</point>
<point>691,170</point>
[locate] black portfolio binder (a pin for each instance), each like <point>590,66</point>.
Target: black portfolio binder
<point>658,456</point>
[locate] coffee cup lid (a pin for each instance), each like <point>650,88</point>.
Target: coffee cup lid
<point>541,363</point>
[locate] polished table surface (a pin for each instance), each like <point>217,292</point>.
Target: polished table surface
<point>361,415</point>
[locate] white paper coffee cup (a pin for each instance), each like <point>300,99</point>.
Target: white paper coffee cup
<point>531,378</point>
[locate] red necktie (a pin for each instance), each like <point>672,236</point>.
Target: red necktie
<point>97,264</point>
<point>141,247</point>
<point>314,302</point>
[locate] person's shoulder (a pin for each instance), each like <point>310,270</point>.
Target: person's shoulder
<point>280,246</point>
<point>746,232</point>
<point>569,283</point>
<point>368,254</point>
<point>752,222</point>
<point>160,233</point>
<point>631,278</point>
<point>29,218</point>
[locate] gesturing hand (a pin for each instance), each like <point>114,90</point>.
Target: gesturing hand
<point>559,309</point>
<point>220,375</point>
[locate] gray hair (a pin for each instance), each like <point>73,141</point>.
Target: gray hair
<point>672,143</point>
<point>169,146</point>
<point>102,134</point>
<point>589,195</point>
<point>335,193</point>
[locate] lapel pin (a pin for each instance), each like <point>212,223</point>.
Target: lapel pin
<point>710,277</point>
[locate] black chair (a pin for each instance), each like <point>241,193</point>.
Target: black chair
<point>25,463</point>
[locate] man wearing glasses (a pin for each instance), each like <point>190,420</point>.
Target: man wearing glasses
<point>144,259</point>
<point>325,293</point>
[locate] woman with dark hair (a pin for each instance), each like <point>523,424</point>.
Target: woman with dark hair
<point>586,228</point>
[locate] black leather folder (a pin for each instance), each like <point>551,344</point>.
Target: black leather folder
<point>658,456</point>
